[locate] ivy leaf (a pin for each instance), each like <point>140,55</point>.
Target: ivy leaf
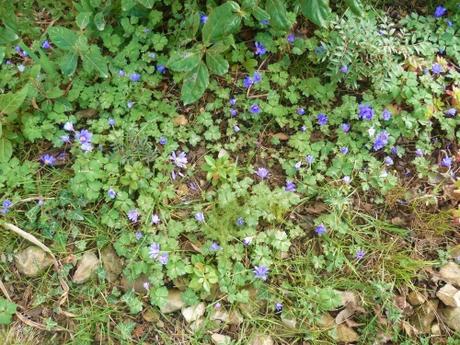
<point>216,63</point>
<point>278,15</point>
<point>222,21</point>
<point>95,61</point>
<point>126,5</point>
<point>146,3</point>
<point>195,84</point>
<point>11,102</point>
<point>355,6</point>
<point>69,63</point>
<point>82,19</point>
<point>6,150</point>
<point>316,10</point>
<point>184,61</point>
<point>99,21</point>
<point>62,37</point>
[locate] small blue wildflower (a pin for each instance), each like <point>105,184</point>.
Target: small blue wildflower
<point>232,101</point>
<point>290,186</point>
<point>320,50</point>
<point>236,129</point>
<point>449,23</point>
<point>260,49</point>
<point>133,215</point>
<point>199,216</point>
<point>256,77</point>
<point>261,272</point>
<point>320,229</point>
<point>130,104</point>
<point>346,179</point>
<point>203,18</point>
<point>247,241</point>
<point>146,285</point>
<point>345,127</point>
<point>264,22</point>
<point>154,250</point>
<point>359,255</point>
<point>394,150</point>
<point>303,128</point>
<point>161,68</point>
<point>386,115</point>
<point>254,108</point>
<point>322,119</point>
<point>111,121</point>
<point>180,160</point>
<point>446,162</point>
<point>163,141</point>
<point>86,147</point>
<point>301,111</point>
<point>46,44</point>
<point>419,152</point>
<point>298,165</point>
<point>155,219</point>
<point>48,159</point>
<point>6,204</point>
<point>111,193</point>
<point>215,247</point>
<point>291,38</point>
<point>440,11</point>
<point>310,159</point>
<point>135,77</point>
<point>365,112</point>
<point>381,140</point>
<point>451,112</point>
<point>153,56</point>
<point>344,69</point>
<point>437,68</point>
<point>163,258</point>
<point>65,139</point>
<point>247,82</point>
<point>121,73</point>
<point>233,112</point>
<point>344,150</point>
<point>262,173</point>
<point>84,136</point>
<point>240,221</point>
<point>278,307</point>
<point>138,235</point>
<point>388,161</point>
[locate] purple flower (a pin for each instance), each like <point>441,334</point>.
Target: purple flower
<point>290,186</point>
<point>65,139</point>
<point>419,152</point>
<point>135,77</point>
<point>386,115</point>
<point>446,162</point>
<point>264,22</point>
<point>121,73</point>
<point>346,179</point>
<point>449,23</point>
<point>155,219</point>
<point>161,68</point>
<point>278,307</point>
<point>394,150</point>
<point>298,165</point>
<point>154,250</point>
<point>86,147</point>
<point>322,119</point>
<point>255,109</point>
<point>163,141</point>
<point>233,112</point>
<point>291,38</point>
<point>301,111</point>
<point>247,82</point>
<point>262,173</point>
<point>111,121</point>
<point>133,215</point>
<point>203,18</point>
<point>257,77</point>
<point>138,235</point>
<point>111,193</point>
<point>303,128</point>
<point>163,258</point>
<point>46,44</point>
<point>215,247</point>
<point>6,204</point>
<point>247,241</point>
<point>232,101</point>
<point>146,286</point>
<point>261,272</point>
<point>320,229</point>
<point>344,69</point>
<point>360,254</point>
<point>345,127</point>
<point>344,150</point>
<point>84,136</point>
<point>130,104</point>
<point>236,129</point>
<point>365,112</point>
<point>240,221</point>
<point>152,56</point>
<point>437,68</point>
<point>48,159</point>
<point>68,126</point>
<point>451,112</point>
<point>217,305</point>
<point>381,140</point>
<point>260,49</point>
<point>388,161</point>
<point>199,216</point>
<point>310,159</point>
<point>180,160</point>
<point>440,11</point>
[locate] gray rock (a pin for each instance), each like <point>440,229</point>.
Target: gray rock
<point>174,302</point>
<point>451,316</point>
<point>450,273</point>
<point>32,261</point>
<point>449,295</point>
<point>86,267</point>
<point>113,265</point>
<point>261,339</point>
<point>220,339</point>
<point>194,312</point>
<point>416,298</point>
<point>346,334</point>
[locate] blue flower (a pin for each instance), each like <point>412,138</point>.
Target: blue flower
<point>264,22</point>
<point>180,160</point>
<point>247,241</point>
<point>437,68</point>
<point>344,150</point>
<point>320,230</point>
<point>154,250</point>
<point>135,77</point>
<point>111,193</point>
<point>161,68</point>
<point>111,121</point>
<point>419,152</point>
<point>451,112</point>
<point>386,115</point>
<point>310,159</point>
<point>121,73</point>
<point>359,255</point>
<point>381,140</point>
<point>199,216</point>
<point>345,127</point>
<point>240,221</point>
<point>365,112</point>
<point>65,139</point>
<point>236,129</point>
<point>260,49</point>
<point>278,307</point>
<point>163,258</point>
<point>6,204</point>
<point>301,111</point>
<point>255,109</point>
<point>163,141</point>
<point>155,219</point>
<point>394,150</point>
<point>388,161</point>
<point>48,159</point>
<point>322,119</point>
<point>257,77</point>
<point>291,38</point>
<point>261,272</point>
<point>130,104</point>
<point>247,82</point>
<point>133,215</point>
<point>152,56</point>
<point>233,112</point>
<point>46,44</point>
<point>232,101</point>
<point>203,18</point>
<point>262,173</point>
<point>346,179</point>
<point>290,186</point>
<point>138,235</point>
<point>215,247</point>
<point>440,11</point>
<point>344,69</point>
<point>84,136</point>
<point>87,147</point>
<point>446,162</point>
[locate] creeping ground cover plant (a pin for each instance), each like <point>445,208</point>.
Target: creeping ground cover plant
<point>229,172</point>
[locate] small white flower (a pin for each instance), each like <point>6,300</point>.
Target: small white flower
<point>371,132</point>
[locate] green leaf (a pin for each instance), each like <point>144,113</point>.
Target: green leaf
<point>6,150</point>
<point>7,310</point>
<point>69,63</point>
<point>260,14</point>
<point>126,5</point>
<point>159,296</point>
<point>216,63</point>
<point>7,35</point>
<point>184,61</point>
<point>278,15</point>
<point>355,6</point>
<point>62,37</point>
<point>94,60</point>
<point>83,19</point>
<point>195,84</point>
<point>222,21</point>
<point>317,11</point>
<point>146,3</point>
<point>11,102</point>
<point>99,21</point>
<point>2,54</point>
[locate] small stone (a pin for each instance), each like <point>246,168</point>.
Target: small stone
<point>349,298</point>
<point>32,261</point>
<point>112,263</point>
<point>260,339</point>
<point>220,339</point>
<point>290,323</point>
<point>180,120</point>
<point>416,298</point>
<point>450,273</point>
<point>281,136</point>
<point>174,302</point>
<point>424,316</point>
<point>193,313</point>
<point>451,316</point>
<point>449,295</point>
<point>326,321</point>
<point>196,325</point>
<point>346,334</point>
<point>86,267</point>
<point>436,330</point>
<point>150,315</point>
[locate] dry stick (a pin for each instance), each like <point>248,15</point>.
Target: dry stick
<point>31,238</point>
